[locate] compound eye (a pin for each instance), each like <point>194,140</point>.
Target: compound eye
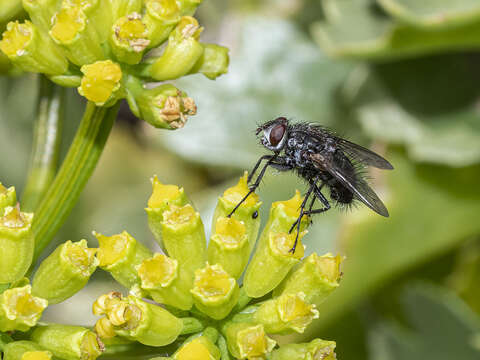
<point>276,134</point>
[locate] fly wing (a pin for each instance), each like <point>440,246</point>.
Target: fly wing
<point>363,155</point>
<point>352,182</point>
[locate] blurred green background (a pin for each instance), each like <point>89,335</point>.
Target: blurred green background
<point>400,76</point>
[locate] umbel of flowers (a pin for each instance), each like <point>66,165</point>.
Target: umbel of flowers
<point>188,296</point>
<point>108,49</point>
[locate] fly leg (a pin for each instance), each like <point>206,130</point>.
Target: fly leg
<point>302,213</point>
<point>268,157</point>
<point>253,187</point>
<point>323,200</point>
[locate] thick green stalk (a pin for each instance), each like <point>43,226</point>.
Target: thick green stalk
<point>46,143</point>
<point>76,169</point>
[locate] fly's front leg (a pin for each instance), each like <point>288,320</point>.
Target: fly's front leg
<point>250,176</point>
<point>257,182</point>
<point>299,219</point>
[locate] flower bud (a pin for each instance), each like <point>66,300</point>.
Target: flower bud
<point>161,16</point>
<point>65,271</point>
<point>41,12</point>
<point>166,282</point>
<point>215,292</point>
<point>73,32</point>
<point>316,349</point>
<point>247,213</point>
<point>163,196</point>
<point>285,313</point>
<point>129,38</point>
<point>25,350</point>
<point>229,246</point>
<point>213,62</point>
<point>101,82</point>
<point>247,340</point>
<point>188,7</point>
<point>316,277</point>
<point>19,310</point>
<point>120,255</point>
<point>8,197</point>
<point>69,342</point>
<point>146,323</point>
<point>200,348</point>
<point>32,51</point>
<point>184,237</point>
<point>271,263</point>
<point>181,53</point>
<point>163,106</point>
<point>16,244</point>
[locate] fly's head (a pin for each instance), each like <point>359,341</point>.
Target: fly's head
<point>274,134</point>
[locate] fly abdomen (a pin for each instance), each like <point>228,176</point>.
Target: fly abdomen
<point>340,193</point>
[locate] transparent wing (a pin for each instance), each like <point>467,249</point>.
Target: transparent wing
<point>353,182</point>
<point>363,155</point>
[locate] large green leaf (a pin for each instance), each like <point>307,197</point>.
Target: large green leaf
<point>432,210</point>
<point>358,29</point>
<point>274,71</point>
<point>444,328</point>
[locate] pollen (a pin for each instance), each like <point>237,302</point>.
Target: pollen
<point>212,283</point>
<point>100,80</point>
<point>159,271</point>
<point>230,233</point>
<point>253,342</point>
<point>132,32</point>
<point>235,194</point>
<point>163,194</point>
<point>179,215</point>
<point>194,350</point>
<point>112,248</point>
<point>281,244</point>
<point>16,38</point>
<point>68,22</point>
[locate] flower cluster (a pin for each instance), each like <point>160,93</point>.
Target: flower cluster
<point>188,295</point>
<point>108,49</point>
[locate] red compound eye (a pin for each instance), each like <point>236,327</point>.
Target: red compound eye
<point>276,134</point>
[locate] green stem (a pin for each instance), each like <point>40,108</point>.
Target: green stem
<point>4,340</point>
<point>46,143</point>
<point>191,325</point>
<point>72,177</point>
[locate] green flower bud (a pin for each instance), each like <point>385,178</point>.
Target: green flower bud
<point>184,237</point>
<point>215,292</point>
<point>199,348</point>
<point>66,80</point>
<point>188,7</point>
<point>25,350</point>
<point>101,82</point>
<point>65,271</point>
<point>19,310</point>
<point>69,342</point>
<point>163,106</point>
<point>166,282</point>
<point>316,277</point>
<point>120,255</point>
<point>122,8</point>
<point>244,214</point>
<point>163,196</point>
<point>316,349</point>
<point>213,62</point>
<point>16,244</point>
<point>8,197</point>
<point>31,50</point>
<point>271,263</point>
<point>129,38</point>
<point>161,17</point>
<point>73,32</point>
<point>182,52</point>
<point>229,246</point>
<point>248,340</point>
<point>138,320</point>
<point>285,313</point>
<point>41,12</point>
<point>99,14</point>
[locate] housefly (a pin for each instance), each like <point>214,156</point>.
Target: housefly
<point>322,159</point>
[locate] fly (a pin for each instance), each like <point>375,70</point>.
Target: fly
<point>323,160</point>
